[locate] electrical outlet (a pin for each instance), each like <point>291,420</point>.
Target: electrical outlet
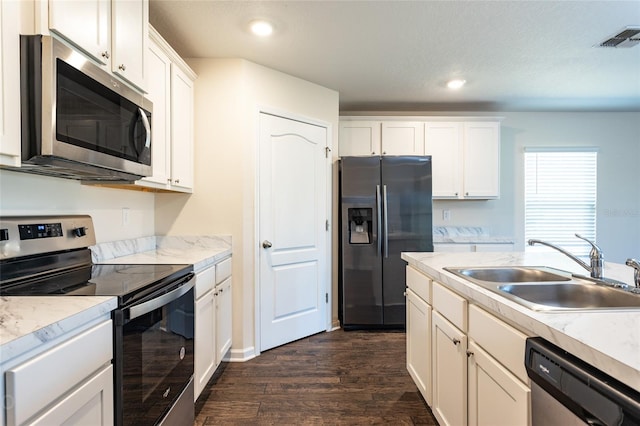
<point>446,215</point>
<point>125,216</point>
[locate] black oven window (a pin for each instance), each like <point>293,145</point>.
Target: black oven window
<point>158,360</point>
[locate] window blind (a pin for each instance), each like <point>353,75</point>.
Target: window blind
<point>560,198</point>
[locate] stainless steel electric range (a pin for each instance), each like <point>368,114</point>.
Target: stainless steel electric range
<point>153,323</point>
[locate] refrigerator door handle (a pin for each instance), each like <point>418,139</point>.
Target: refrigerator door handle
<point>386,223</point>
<point>379,228</point>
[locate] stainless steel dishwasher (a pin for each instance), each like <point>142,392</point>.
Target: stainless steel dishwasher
<point>566,391</point>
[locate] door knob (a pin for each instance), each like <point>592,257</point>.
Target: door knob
<point>266,244</point>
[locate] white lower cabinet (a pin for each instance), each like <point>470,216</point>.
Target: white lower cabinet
<point>476,367</point>
<point>419,343</point>
<point>70,383</point>
<point>449,346</point>
<point>212,321</point>
<point>496,397</point>
<point>223,318</point>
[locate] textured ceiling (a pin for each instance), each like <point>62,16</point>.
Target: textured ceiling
<point>398,55</point>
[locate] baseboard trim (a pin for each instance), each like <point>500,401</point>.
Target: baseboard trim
<point>241,355</point>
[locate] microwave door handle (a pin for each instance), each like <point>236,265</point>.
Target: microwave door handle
<point>147,128</point>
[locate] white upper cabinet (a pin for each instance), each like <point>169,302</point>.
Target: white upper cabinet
<point>170,85</point>
<point>466,159</point>
<point>366,138</point>
<point>129,39</point>
<point>443,141</point>
<point>359,138</point>
<point>181,129</point>
<point>402,138</point>
<point>87,24</point>
<point>113,32</point>
<point>9,87</point>
<point>481,159</point>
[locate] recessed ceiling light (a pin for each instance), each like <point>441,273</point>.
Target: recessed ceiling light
<point>261,28</point>
<point>456,84</point>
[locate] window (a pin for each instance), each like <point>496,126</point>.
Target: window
<point>560,197</point>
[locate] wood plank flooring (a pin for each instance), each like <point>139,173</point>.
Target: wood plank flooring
<point>337,378</point>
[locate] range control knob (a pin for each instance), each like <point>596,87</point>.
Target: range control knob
<point>80,232</point>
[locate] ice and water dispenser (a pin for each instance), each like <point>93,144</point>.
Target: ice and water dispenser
<point>360,225</point>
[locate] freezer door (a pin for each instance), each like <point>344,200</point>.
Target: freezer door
<point>361,268</point>
<point>407,225</point>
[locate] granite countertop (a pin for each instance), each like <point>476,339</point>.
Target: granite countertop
<point>610,340</point>
<point>200,251</point>
<point>27,322</point>
<point>467,235</point>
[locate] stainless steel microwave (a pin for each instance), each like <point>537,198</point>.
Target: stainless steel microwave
<point>78,121</point>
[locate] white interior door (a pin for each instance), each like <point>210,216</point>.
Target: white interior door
<point>293,238</point>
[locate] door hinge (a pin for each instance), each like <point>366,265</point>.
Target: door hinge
<point>326,225</point>
<point>327,150</point>
<point>326,297</point>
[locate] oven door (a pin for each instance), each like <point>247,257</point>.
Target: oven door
<point>156,353</point>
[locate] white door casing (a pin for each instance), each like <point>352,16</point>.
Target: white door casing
<point>292,233</point>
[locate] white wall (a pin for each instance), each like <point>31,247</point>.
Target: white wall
<point>617,136</point>
<point>228,96</point>
<point>26,194</point>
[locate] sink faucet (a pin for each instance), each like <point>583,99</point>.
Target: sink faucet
<point>597,261</point>
<point>636,271</point>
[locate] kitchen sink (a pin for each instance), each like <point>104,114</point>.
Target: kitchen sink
<point>512,274</point>
<point>571,296</point>
<point>541,288</point>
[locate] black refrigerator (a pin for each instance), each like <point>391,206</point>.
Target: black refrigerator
<point>385,209</point>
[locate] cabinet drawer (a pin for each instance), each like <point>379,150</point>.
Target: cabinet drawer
<point>450,305</point>
<point>35,384</point>
<point>205,281</point>
<point>419,283</point>
<point>223,270</point>
<point>503,342</point>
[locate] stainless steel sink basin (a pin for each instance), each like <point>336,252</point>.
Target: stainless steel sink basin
<point>541,288</point>
<point>571,296</point>
<point>512,274</point>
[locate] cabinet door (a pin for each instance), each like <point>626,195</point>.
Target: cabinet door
<point>223,318</point>
<point>402,138</point>
<point>359,138</point>
<point>181,130</point>
<point>496,397</point>
<point>86,24</point>
<point>90,404</point>
<point>449,363</point>
<point>443,141</point>
<point>129,39</point>
<point>205,346</point>
<point>159,87</point>
<point>419,343</point>
<point>482,159</point>
<point>9,83</point>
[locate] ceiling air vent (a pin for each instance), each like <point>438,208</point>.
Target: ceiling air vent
<point>628,37</point>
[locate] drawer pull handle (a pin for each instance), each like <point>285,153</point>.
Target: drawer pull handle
<point>455,341</point>
<point>469,354</point>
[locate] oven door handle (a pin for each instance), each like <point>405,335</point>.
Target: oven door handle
<point>136,311</point>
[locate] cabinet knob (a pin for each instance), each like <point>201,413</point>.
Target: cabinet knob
<point>466,193</point>
<point>404,294</point>
<point>177,180</point>
<point>266,244</point>
<point>384,152</point>
<point>456,194</point>
<point>455,341</point>
<point>105,55</point>
<point>373,153</point>
<point>121,67</point>
<point>469,354</point>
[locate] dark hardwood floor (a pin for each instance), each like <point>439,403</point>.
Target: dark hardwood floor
<point>337,378</point>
